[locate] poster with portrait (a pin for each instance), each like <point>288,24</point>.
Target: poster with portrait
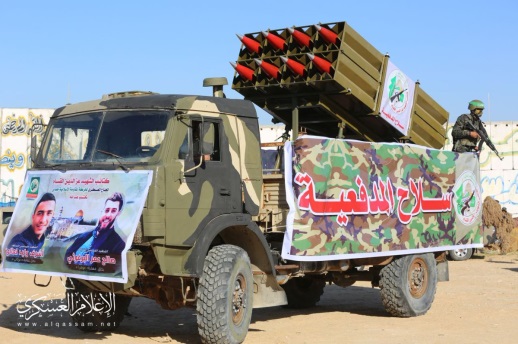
<point>75,224</point>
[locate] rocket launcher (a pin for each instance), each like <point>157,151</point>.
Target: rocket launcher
<point>328,80</point>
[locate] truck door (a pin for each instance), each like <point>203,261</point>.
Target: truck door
<point>209,184</point>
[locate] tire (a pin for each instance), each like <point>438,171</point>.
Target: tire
<point>303,292</point>
<point>460,254</point>
<point>408,285</point>
<point>109,312</point>
<point>225,296</point>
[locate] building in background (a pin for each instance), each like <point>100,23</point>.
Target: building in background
<point>17,126</point>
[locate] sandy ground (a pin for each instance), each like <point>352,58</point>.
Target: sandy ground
<point>478,305</point>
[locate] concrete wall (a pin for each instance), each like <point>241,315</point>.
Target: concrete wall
<point>17,125</point>
<point>499,178</point>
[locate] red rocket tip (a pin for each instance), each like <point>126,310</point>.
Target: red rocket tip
<point>271,70</point>
<point>277,42</point>
<point>243,71</point>
<point>300,37</point>
<point>251,44</point>
<point>322,64</point>
<point>295,66</point>
<point>328,35</point>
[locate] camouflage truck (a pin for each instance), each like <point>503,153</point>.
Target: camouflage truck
<point>221,231</point>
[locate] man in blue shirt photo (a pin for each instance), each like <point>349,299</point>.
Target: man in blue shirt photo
<point>99,250</point>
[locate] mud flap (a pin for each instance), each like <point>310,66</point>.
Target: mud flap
<point>267,292</point>
<point>133,259</point>
<point>443,273</point>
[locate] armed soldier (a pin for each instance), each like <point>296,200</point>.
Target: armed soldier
<point>466,130</point>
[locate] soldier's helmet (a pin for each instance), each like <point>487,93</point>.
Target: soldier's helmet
<point>475,104</point>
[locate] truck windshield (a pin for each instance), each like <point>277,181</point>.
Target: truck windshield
<point>129,136</point>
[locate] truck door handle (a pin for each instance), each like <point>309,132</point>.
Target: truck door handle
<point>224,192</point>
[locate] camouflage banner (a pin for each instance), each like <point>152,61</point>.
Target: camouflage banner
<point>75,224</point>
<point>352,199</point>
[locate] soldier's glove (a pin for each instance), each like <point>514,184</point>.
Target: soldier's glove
<point>474,135</point>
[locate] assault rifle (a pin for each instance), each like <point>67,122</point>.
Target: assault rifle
<point>484,138</point>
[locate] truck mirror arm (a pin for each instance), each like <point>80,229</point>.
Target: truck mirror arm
<point>200,149</point>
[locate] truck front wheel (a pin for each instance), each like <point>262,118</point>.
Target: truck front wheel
<point>224,303</point>
<point>408,285</point>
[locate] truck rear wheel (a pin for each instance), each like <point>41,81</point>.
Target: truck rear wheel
<point>303,292</point>
<point>94,311</point>
<point>408,285</point>
<point>460,254</point>
<point>225,296</point>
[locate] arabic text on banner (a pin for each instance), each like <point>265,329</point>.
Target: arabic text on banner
<point>351,199</point>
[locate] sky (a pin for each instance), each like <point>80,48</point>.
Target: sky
<point>55,52</point>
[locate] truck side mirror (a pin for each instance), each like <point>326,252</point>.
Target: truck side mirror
<point>34,149</point>
<point>34,143</point>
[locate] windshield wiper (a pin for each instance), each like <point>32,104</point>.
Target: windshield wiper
<point>58,167</point>
<point>117,157</point>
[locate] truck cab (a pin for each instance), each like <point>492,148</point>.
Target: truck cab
<point>203,151</point>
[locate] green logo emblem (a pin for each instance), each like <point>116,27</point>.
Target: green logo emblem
<point>468,203</point>
<point>34,188</point>
<point>398,91</point>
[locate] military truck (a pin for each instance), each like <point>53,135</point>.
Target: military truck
<point>212,230</point>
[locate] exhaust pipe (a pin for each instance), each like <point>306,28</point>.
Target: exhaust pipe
<point>217,86</point>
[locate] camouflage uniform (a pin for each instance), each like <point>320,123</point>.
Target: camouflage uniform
<point>462,141</point>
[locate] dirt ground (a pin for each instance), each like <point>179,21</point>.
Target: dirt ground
<point>478,305</point>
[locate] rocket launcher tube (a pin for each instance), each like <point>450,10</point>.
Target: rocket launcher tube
<point>251,44</point>
<point>243,71</point>
<point>327,34</point>
<point>276,41</point>
<point>300,37</point>
<point>323,65</point>
<point>295,66</point>
<point>271,70</point>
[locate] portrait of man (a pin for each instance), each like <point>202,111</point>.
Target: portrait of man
<point>99,250</point>
<point>27,246</point>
